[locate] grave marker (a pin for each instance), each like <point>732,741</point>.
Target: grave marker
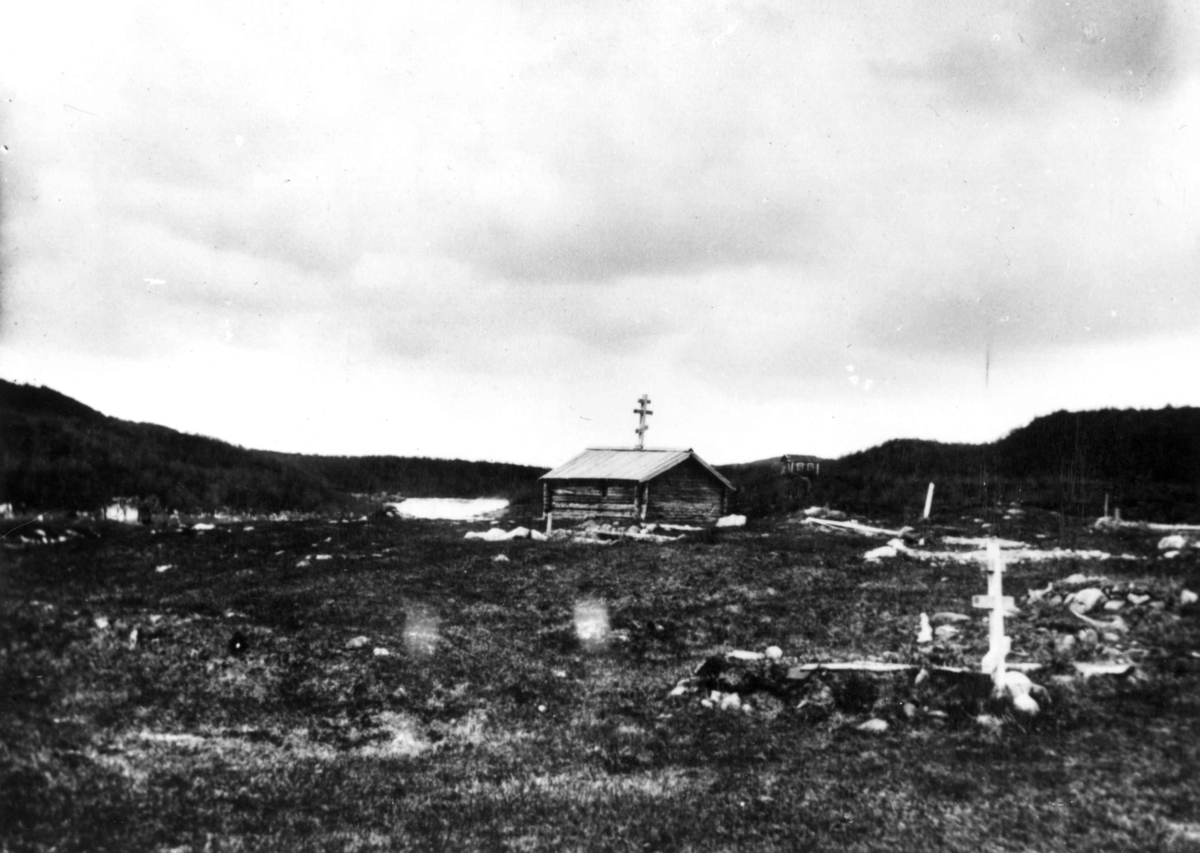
<point>997,602</point>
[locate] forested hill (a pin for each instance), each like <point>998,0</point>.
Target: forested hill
<point>1161,445</point>
<point>57,453</point>
<point>1143,459</point>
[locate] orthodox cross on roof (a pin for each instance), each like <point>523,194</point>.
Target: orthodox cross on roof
<point>641,412</point>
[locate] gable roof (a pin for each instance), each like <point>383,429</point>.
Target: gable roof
<point>624,463</point>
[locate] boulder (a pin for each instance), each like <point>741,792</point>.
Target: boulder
<point>1085,600</point>
<point>357,642</point>
<point>1174,542</point>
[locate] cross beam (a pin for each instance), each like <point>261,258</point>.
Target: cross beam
<point>641,412</point>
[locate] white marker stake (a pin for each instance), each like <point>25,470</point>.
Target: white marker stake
<point>928,501</point>
<point>549,523</point>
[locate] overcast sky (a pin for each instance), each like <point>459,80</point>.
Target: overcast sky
<point>483,229</point>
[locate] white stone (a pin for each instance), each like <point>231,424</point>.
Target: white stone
<point>1026,704</point>
<point>947,616</point>
<point>877,554</point>
<point>730,701</point>
<point>381,652</point>
<point>874,726</point>
<point>1188,597</point>
<point>357,642</point>
<point>774,652</point>
<point>1175,542</point>
<point>732,521</point>
<point>1086,600</point>
<point>945,632</point>
<point>925,630</point>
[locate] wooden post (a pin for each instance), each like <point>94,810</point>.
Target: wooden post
<point>549,523</point>
<point>928,502</point>
<point>1106,504</point>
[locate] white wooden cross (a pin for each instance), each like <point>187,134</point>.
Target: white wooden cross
<point>998,645</point>
<point>642,426</point>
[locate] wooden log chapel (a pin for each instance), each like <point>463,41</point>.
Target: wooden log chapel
<point>636,484</point>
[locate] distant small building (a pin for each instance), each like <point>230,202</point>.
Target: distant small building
<point>799,466</point>
<point>651,485</point>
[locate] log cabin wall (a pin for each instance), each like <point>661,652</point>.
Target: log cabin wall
<point>686,493</point>
<point>577,499</point>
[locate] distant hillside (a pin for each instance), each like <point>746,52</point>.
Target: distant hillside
<point>57,453</point>
<point>420,476</point>
<point>1146,461</point>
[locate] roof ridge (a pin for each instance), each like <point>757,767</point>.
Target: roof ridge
<point>646,449</point>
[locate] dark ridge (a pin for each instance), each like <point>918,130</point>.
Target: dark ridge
<point>1145,461</point>
<point>56,453</point>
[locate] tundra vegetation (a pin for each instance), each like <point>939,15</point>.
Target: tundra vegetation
<point>388,684</point>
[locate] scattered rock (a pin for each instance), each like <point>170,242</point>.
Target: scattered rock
<point>924,631</point>
<point>880,553</point>
<point>732,521</point>
<point>946,632</point>
<point>774,653</point>
<point>1026,704</point>
<point>1188,597</point>
<point>1064,645</point>
<point>1137,600</point>
<point>238,644</point>
<point>101,622</point>
<point>1079,580</point>
<point>500,558</point>
<point>1175,542</point>
<point>161,569</point>
<point>357,642</point>
<point>381,652</point>
<point>1086,600</point>
<point>947,616</point>
<point>874,726</point>
<point>1040,594</point>
<point>988,722</point>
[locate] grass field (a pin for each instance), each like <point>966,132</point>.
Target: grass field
<point>523,704</point>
